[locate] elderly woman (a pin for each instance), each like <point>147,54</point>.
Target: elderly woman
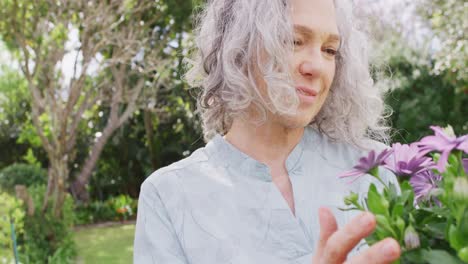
<point>287,104</point>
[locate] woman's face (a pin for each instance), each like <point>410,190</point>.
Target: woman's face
<point>316,41</point>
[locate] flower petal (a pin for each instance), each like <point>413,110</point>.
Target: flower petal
<point>443,161</point>
<point>464,145</point>
<point>351,173</point>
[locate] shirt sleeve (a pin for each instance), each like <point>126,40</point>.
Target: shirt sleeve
<point>155,238</point>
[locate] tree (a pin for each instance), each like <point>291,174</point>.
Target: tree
<point>108,44</point>
<point>14,108</point>
<point>426,83</point>
<point>448,23</point>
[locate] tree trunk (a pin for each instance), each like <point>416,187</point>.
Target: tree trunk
<point>147,116</point>
<point>50,188</point>
<point>22,194</point>
<point>56,189</point>
<point>78,187</point>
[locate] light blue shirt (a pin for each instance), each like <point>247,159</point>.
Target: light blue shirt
<point>220,206</point>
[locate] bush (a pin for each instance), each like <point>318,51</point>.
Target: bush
<point>23,174</point>
<point>96,211</point>
<point>10,208</point>
<point>121,207</point>
<point>124,206</point>
<point>48,239</point>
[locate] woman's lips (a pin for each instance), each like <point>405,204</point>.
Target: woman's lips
<point>306,94</point>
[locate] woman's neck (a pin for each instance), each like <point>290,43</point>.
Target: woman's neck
<point>269,143</point>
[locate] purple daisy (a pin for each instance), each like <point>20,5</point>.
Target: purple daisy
<point>366,164</point>
<point>443,143</point>
<point>407,160</point>
<point>424,183</point>
<point>465,165</point>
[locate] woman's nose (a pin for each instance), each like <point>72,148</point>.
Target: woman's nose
<point>311,66</point>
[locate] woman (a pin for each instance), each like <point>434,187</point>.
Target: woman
<point>287,104</point>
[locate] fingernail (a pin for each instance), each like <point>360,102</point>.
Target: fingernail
<point>390,249</point>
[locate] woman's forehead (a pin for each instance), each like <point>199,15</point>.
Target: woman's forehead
<point>314,15</point>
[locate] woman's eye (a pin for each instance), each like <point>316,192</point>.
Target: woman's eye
<point>298,42</point>
<point>331,52</point>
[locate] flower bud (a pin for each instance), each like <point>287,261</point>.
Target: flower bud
<point>448,130</point>
<point>411,238</point>
<point>460,188</point>
<point>352,198</point>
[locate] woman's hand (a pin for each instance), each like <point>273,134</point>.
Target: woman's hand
<point>334,245</point>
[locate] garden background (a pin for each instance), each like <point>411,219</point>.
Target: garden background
<point>92,100</point>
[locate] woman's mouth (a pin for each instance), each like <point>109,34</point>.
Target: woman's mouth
<point>306,94</point>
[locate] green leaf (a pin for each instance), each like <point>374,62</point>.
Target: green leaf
<point>463,227</point>
<point>384,224</point>
<point>393,191</point>
<point>437,229</point>
<point>453,236</point>
<point>439,256</point>
<point>463,254</point>
<point>397,211</point>
<point>440,211</point>
<point>407,195</point>
<point>405,186</point>
<point>376,203</point>
<point>400,224</point>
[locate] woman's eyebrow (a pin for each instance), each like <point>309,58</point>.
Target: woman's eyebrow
<point>309,32</point>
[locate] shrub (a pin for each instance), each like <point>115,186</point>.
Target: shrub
<point>121,207</point>
<point>48,239</point>
<point>10,209</point>
<point>96,211</point>
<point>124,206</point>
<point>22,174</point>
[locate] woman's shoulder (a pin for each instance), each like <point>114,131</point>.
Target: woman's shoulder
<point>171,175</point>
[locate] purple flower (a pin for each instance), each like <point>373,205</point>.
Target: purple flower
<point>424,184</point>
<point>366,164</point>
<point>407,160</point>
<point>443,143</point>
<point>465,165</point>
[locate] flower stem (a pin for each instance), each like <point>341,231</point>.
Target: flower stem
<point>375,172</point>
<point>461,169</point>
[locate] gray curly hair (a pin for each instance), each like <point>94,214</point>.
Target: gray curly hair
<point>231,36</point>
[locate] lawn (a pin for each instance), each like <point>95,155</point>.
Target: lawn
<point>113,245</point>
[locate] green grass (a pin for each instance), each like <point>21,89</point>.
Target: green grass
<point>113,245</point>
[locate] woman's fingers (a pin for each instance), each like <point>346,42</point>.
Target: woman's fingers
<point>383,252</point>
<point>328,226</point>
<point>341,242</point>
<point>335,244</point>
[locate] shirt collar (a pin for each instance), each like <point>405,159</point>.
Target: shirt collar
<point>224,152</point>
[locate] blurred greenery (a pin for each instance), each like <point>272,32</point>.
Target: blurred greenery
<point>21,174</point>
<point>11,211</point>
<point>448,20</point>
<point>425,99</point>
<point>421,69</point>
<point>117,208</point>
<point>47,239</point>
